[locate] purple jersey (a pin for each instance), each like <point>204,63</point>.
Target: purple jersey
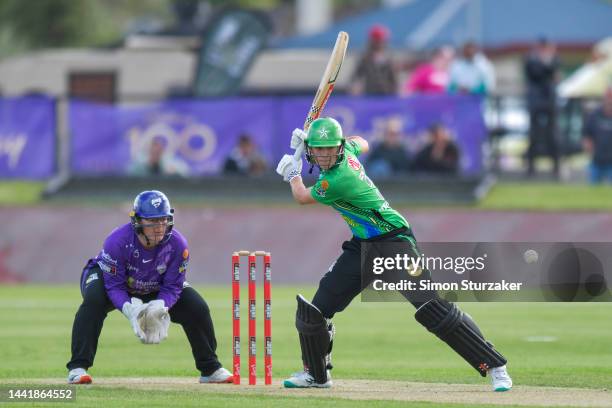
<point>131,269</point>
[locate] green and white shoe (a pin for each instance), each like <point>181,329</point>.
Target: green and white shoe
<point>303,379</point>
<point>500,379</point>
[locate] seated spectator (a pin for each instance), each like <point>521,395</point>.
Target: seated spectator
<point>472,73</point>
<point>597,140</point>
<point>159,162</point>
<point>431,76</point>
<point>389,157</point>
<point>375,73</point>
<point>439,155</point>
<point>245,159</point>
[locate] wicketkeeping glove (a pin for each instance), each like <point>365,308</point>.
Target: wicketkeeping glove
<point>132,310</point>
<point>289,168</point>
<point>154,322</point>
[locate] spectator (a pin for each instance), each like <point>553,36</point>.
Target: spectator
<point>375,73</point>
<point>597,140</point>
<point>439,155</point>
<point>159,162</point>
<point>472,73</point>
<point>431,76</point>
<point>245,159</point>
<point>389,157</point>
<point>541,71</point>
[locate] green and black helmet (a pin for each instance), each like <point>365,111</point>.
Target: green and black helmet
<point>324,132</point>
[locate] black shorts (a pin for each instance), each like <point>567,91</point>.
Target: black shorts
<point>343,280</point>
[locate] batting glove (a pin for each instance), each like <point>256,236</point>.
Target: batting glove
<point>297,139</point>
<point>289,168</point>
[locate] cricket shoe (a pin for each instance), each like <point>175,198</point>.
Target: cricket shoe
<point>221,376</point>
<point>500,379</point>
<point>79,376</point>
<point>303,379</point>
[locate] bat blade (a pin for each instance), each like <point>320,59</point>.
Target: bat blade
<point>328,81</point>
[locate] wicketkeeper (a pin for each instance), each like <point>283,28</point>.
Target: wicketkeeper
<point>141,272</point>
<point>344,186</point>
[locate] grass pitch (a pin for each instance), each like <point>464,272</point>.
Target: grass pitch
<point>381,355</point>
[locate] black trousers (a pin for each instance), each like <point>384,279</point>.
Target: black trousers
<point>343,282</point>
<point>543,137</point>
<point>190,311</point>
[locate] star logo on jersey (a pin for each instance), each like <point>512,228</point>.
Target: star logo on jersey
<point>323,133</point>
<point>156,202</point>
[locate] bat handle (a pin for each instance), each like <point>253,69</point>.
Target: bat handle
<point>298,153</point>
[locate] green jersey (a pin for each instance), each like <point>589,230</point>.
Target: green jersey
<point>347,189</point>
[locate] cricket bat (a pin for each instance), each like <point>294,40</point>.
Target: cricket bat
<point>326,86</point>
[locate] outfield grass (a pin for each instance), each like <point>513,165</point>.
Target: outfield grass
<point>547,196</point>
<point>503,196</point>
<point>20,192</point>
<point>377,341</point>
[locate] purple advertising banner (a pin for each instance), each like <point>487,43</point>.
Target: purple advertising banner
<point>196,137</point>
<point>27,137</point>
<point>368,117</point>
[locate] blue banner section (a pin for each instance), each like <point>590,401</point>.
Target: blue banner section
<point>27,137</point>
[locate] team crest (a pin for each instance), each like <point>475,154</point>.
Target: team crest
<point>323,133</point>
<point>156,202</point>
<point>355,165</point>
<point>161,269</point>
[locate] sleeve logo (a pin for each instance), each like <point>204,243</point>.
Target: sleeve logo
<point>112,270</point>
<point>107,258</point>
<point>355,165</point>
<point>91,278</point>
